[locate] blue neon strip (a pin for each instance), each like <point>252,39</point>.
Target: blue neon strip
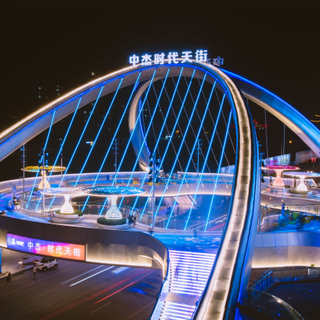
<point>78,143</point>
<point>114,136</point>
<point>173,130</point>
<point>62,144</point>
<point>147,131</point>
<point>82,133</point>
<point>130,138</point>
<point>219,167</point>
<point>194,146</point>
<point>158,140</point>
<point>266,90</point>
<point>97,136</point>
<point>135,125</point>
<point>45,147</point>
<point>66,135</point>
<point>168,144</point>
<point>206,159</point>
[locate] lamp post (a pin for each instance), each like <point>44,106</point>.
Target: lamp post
<point>153,191</point>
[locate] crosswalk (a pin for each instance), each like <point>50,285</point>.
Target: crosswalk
<point>189,273</point>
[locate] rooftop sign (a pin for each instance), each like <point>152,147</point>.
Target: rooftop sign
<point>173,57</point>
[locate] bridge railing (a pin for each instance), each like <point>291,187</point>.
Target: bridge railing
<point>272,306</point>
<point>258,299</point>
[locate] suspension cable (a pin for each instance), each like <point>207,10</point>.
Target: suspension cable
<point>193,148</point>
<point>113,138</point>
<point>206,159</point>
<point>44,149</point>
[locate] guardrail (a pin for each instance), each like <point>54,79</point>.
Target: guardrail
<point>270,305</point>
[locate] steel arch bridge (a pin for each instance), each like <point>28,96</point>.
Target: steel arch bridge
<point>229,277</point>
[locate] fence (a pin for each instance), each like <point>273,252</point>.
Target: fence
<point>259,300</point>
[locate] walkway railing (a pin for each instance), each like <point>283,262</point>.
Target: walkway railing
<point>273,306</point>
<point>261,301</point>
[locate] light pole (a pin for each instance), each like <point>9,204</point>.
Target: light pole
<point>43,177</point>
<point>23,166</point>
<point>153,191</point>
<point>199,144</point>
<point>116,153</point>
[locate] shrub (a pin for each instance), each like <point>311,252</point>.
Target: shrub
<point>295,191</point>
<point>76,211</point>
<point>111,222</point>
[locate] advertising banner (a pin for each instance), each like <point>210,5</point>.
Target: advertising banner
<point>46,248</point>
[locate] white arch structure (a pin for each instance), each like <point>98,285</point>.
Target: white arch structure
<point>232,267</point>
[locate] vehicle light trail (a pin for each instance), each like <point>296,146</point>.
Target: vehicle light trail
<point>87,298</point>
<point>123,288</point>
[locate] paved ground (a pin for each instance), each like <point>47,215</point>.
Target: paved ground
<point>80,291</point>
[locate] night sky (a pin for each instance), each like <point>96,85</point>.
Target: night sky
<point>273,43</point>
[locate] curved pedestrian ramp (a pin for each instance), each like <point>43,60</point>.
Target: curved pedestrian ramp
<point>188,276</point>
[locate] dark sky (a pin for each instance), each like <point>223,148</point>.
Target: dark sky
<point>273,43</point>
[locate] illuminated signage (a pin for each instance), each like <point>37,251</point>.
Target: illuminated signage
<point>46,248</point>
<point>172,57</point>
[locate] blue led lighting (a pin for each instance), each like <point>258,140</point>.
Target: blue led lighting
<point>62,144</point>
<point>113,138</point>
<point>135,125</point>
<point>130,138</point>
<point>158,140</point>
<point>41,159</point>
<point>206,158</point>
<point>78,143</point>
<point>266,90</point>
<point>82,133</point>
<point>171,136</point>
<point>194,144</point>
<point>99,131</point>
<point>219,168</point>
<point>147,131</point>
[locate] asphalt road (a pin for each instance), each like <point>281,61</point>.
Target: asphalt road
<point>81,291</point>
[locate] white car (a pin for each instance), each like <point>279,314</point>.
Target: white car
<point>47,263</point>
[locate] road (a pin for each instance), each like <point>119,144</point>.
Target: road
<point>81,291</point>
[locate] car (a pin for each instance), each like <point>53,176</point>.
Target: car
<point>47,263</point>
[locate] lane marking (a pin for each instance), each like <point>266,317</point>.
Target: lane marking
<point>33,283</point>
<point>119,270</point>
<point>123,287</point>
<point>101,307</point>
<point>140,310</point>
<point>44,294</point>
<point>82,274</point>
<point>71,285</point>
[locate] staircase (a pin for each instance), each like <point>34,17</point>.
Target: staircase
<point>189,273</point>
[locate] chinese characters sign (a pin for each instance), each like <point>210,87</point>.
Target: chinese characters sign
<point>171,57</point>
<point>46,248</point>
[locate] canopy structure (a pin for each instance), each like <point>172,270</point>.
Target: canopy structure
<point>113,192</point>
<point>302,175</point>
<point>278,182</point>
<point>67,193</point>
<point>44,184</point>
